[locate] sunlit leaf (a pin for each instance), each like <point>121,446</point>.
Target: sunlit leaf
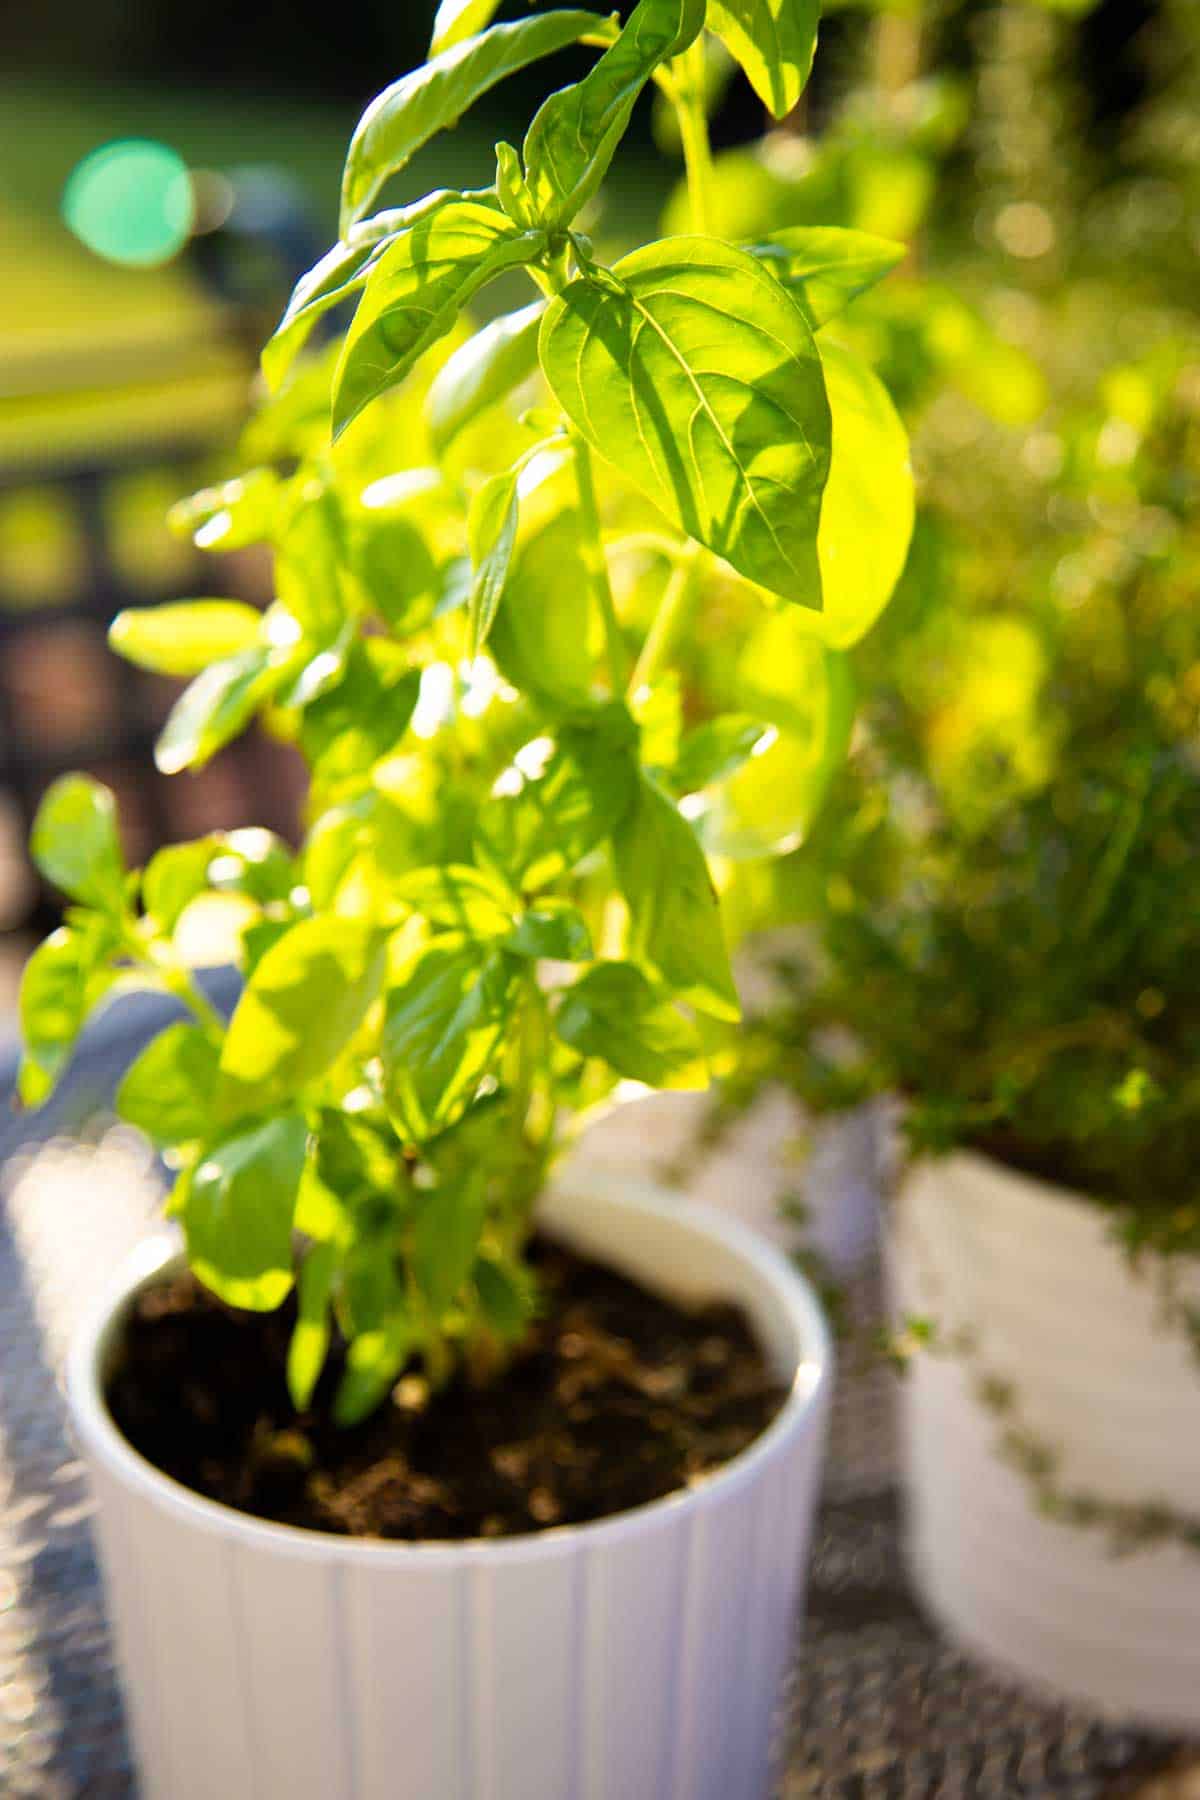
<point>168,1091</point>
<point>183,636</point>
<point>774,41</point>
<point>488,366</point>
<point>692,371</point>
<point>237,1206</point>
<point>675,923</point>
<point>303,1004</point>
<point>443,1029</point>
<point>437,93</point>
<point>614,1013</point>
<point>574,136</point>
<point>74,841</point>
<point>824,269</point>
<point>415,292</point>
<point>493,537</point>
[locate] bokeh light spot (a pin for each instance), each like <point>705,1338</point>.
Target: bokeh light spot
<point>131,202</point>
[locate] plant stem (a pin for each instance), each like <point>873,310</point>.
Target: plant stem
<point>596,562</point>
<point>690,110</point>
<point>673,613</point>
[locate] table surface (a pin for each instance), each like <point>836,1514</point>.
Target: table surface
<point>877,1703</point>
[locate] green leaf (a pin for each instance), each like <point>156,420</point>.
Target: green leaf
<point>824,268</point>
<point>173,878</point>
<point>446,1237</point>
<point>806,693</point>
<point>614,1013</point>
<point>373,1361</point>
<point>483,371</point>
<point>696,375</point>
<point>869,504</point>
<point>774,41</point>
<point>303,1004</point>
<point>575,134</point>
<point>62,981</point>
<point>456,897</point>
<point>443,1030</point>
<point>539,635</point>
<point>168,1091</point>
<point>215,708</point>
<point>254,862</point>
<point>229,517</point>
<point>74,842</point>
<point>341,272</point>
<point>552,929</point>
<point>459,19</point>
<point>716,750</point>
<point>184,636</point>
<point>416,291</point>
<point>675,922</point>
<point>309,1343</point>
<point>346,731</point>
<point>506,1302</point>
<point>492,532</point>
<point>558,801</point>
<point>435,95</point>
<point>237,1206</point>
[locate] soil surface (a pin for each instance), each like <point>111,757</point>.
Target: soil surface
<point>617,1398</point>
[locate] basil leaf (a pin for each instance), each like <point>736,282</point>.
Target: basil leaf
<point>443,1029</point>
<point>539,635</point>
<point>716,750</point>
<point>552,929</point>
<point>237,1206</point>
<point>74,842</point>
<point>492,530</point>
<point>346,731</point>
<point>63,980</point>
<point>184,636</point>
<point>458,898</point>
<point>309,1343</point>
<point>374,1358</point>
<point>214,708</point>
<point>774,41</point>
<point>869,503</point>
<point>487,367</point>
<point>506,1301</point>
<point>168,1091</point>
<point>614,1013</point>
<point>446,1237</point>
<point>341,272</point>
<point>173,878</point>
<point>692,371</point>
<point>824,269</point>
<point>229,517</point>
<point>300,1008</point>
<point>412,110</point>
<point>675,922</point>
<point>806,693</point>
<point>557,802</point>
<point>575,134</point>
<point>459,19</point>
<point>416,291</point>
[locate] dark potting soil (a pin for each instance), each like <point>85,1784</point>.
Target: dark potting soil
<point>617,1398</point>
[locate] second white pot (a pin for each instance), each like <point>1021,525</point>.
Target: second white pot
<point>636,1658</point>
<point>1099,1377</point>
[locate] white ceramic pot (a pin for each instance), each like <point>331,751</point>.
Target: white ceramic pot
<point>772,1151</point>
<point>634,1658</point>
<point>1097,1373</point>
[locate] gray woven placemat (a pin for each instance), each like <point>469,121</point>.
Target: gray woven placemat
<point>877,1704</point>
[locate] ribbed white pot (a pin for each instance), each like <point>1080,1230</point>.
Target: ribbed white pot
<point>1098,1373</point>
<point>635,1658</point>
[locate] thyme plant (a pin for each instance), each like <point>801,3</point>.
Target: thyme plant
<point>482,645</point>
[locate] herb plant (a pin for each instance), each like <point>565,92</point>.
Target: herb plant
<point>482,645</point>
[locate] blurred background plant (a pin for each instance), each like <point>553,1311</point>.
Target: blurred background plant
<point>1000,899</point>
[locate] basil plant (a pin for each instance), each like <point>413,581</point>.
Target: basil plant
<point>560,611</point>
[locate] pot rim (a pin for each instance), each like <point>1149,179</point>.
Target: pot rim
<point>807,1398</point>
